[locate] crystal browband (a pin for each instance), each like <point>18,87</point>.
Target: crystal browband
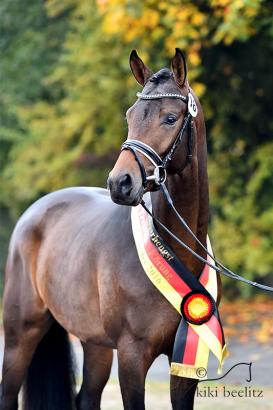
<point>158,96</point>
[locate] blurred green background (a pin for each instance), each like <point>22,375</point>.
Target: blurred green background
<point>65,85</point>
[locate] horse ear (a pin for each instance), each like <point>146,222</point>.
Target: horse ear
<point>139,69</point>
<point>179,67</point>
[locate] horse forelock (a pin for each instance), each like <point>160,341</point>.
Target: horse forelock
<point>161,76</point>
<point>161,82</point>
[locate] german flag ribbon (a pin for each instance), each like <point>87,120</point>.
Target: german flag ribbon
<point>200,330</point>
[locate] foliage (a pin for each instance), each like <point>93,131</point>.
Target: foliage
<point>245,324</point>
<point>30,44</point>
<point>68,84</point>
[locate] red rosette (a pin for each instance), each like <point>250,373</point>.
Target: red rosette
<point>197,308</point>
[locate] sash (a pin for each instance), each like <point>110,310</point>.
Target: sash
<point>193,342</point>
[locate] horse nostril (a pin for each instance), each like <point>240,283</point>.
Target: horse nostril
<point>125,180</point>
<point>126,184</point>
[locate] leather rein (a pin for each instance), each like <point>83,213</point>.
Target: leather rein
<point>160,174</point>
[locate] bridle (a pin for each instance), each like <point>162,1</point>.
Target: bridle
<point>159,178</point>
<point>161,164</point>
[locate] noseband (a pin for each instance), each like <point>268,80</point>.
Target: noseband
<point>160,164</point>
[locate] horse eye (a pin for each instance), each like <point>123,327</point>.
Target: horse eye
<point>170,119</point>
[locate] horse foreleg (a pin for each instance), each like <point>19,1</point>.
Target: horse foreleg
<point>96,371</point>
<point>182,393</point>
<point>134,361</point>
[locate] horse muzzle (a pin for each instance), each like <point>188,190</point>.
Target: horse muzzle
<point>123,189</point>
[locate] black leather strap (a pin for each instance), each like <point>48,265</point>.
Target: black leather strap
<point>136,146</point>
<point>140,164</point>
<point>146,149</point>
<point>178,140</point>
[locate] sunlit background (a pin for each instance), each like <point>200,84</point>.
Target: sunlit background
<point>65,85</point>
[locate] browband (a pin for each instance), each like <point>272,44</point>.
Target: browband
<point>143,96</point>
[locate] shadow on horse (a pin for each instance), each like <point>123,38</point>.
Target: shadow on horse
<point>73,267</point>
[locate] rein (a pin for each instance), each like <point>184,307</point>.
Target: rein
<point>219,267</point>
<point>160,174</point>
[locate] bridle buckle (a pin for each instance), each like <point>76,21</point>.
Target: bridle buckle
<point>159,175</point>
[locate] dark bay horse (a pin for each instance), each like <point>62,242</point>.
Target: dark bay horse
<point>73,267</point>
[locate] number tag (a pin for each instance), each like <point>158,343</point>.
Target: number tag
<point>192,107</point>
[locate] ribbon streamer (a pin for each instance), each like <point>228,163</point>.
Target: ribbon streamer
<point>193,342</point>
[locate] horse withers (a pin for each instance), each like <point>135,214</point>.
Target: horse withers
<point>73,267</point>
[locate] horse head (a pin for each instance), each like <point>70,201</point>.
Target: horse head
<point>154,121</point>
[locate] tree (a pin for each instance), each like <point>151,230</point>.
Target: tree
<point>70,130</point>
<point>30,44</point>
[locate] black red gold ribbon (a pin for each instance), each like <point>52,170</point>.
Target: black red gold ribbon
<point>193,342</point>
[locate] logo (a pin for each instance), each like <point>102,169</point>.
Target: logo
<point>201,372</point>
<point>224,391</point>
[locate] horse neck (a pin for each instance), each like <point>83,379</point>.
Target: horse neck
<point>189,192</point>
